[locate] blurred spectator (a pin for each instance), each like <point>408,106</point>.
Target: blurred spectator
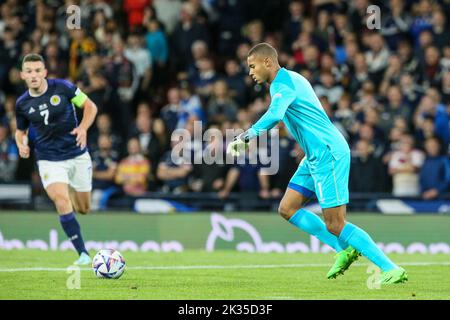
<point>446,88</point>
<point>135,12</point>
<point>235,80</point>
<point>411,91</point>
<point>328,88</point>
<point>392,74</point>
<point>425,41</point>
<point>372,118</point>
<point>204,79</point>
<point>9,156</point>
<point>104,167</point>
<point>55,62</point>
<point>175,172</point>
<point>160,130</point>
<point>351,48</point>
<point>366,172</point>
<point>328,64</point>
<point>445,60</point>
<point>81,46</point>
<point>184,35</point>
<point>358,74</point>
<point>156,43</point>
<point>323,32</point>
<point>431,67</point>
<point>99,23</point>
<point>7,113</point>
<point>191,106</point>
<point>435,172</point>
<point>394,108</point>
<point>168,11</point>
<point>121,72</point>
<point>209,176</point>
<point>148,141</point>
<point>441,30</point>
<point>409,61</point>
<point>367,132</point>
<point>429,107</point>
<point>425,131</point>
<point>93,82</point>
<point>231,17</point>
<point>9,49</point>
<point>220,105</point>
<point>423,17</point>
<point>133,171</point>
<point>149,14</point>
<point>404,166</point>
<point>123,80</point>
<point>103,126</point>
<point>141,59</point>
<point>357,13</point>
<point>199,51</point>
<point>254,32</point>
<point>171,111</point>
<point>392,144</point>
<point>344,114</point>
<point>377,57</point>
<point>396,25</point>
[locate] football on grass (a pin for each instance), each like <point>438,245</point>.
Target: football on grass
<point>108,264</point>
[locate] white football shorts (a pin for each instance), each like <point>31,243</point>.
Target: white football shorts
<point>76,172</point>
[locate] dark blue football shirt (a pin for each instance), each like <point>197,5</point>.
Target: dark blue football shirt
<point>52,116</point>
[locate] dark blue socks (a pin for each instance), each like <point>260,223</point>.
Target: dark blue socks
<point>72,229</point>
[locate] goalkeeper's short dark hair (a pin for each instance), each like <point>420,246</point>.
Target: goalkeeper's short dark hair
<point>263,49</point>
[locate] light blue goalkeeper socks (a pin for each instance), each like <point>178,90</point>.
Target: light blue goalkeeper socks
<point>309,222</point>
<point>363,243</point>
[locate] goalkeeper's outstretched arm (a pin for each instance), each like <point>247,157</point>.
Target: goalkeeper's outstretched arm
<point>281,99</point>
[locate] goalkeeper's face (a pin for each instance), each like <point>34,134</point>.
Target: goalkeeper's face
<point>259,68</point>
<point>33,73</point>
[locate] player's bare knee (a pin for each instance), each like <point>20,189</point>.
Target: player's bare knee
<point>286,211</point>
<point>335,227</point>
<point>61,201</point>
<point>84,208</point>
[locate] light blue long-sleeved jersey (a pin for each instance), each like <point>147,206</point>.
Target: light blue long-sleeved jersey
<point>294,102</point>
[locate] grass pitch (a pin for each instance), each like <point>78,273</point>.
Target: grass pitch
<point>224,275</point>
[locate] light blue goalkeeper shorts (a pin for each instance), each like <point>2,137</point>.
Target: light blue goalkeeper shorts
<point>328,179</point>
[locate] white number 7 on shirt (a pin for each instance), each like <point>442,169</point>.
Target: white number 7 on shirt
<point>45,113</point>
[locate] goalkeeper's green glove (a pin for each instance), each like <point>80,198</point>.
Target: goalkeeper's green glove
<point>238,145</point>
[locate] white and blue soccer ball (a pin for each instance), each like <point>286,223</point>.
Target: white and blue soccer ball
<point>108,264</point>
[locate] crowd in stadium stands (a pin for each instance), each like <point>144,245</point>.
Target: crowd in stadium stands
<point>154,66</point>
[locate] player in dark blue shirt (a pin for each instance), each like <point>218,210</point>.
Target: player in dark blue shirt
<point>65,167</point>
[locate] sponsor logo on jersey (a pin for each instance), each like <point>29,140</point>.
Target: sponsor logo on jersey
<point>31,110</point>
<point>55,100</point>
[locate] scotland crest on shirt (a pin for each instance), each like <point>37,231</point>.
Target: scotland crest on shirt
<point>55,100</point>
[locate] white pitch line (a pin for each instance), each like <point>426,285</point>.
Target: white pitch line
<point>261,266</point>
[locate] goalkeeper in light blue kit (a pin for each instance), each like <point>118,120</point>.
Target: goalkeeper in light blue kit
<point>324,170</point>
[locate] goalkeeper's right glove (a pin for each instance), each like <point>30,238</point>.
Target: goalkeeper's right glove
<point>238,145</point>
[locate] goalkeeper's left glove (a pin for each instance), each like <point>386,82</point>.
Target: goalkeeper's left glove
<point>239,144</point>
